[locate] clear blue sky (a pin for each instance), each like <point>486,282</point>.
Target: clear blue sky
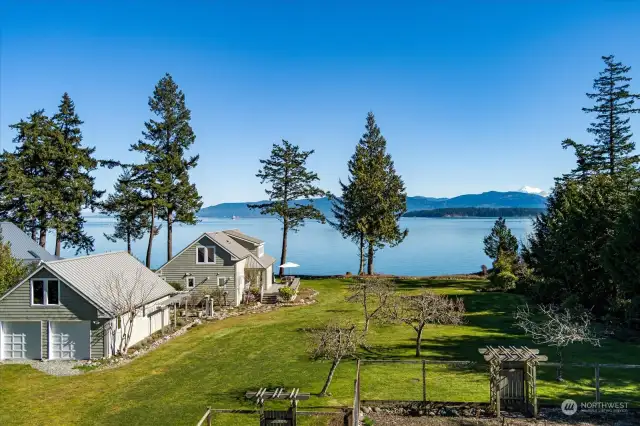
<point>471,96</point>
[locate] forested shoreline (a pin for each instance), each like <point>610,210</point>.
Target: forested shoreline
<point>477,212</point>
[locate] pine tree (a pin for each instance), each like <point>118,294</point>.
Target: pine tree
<point>126,205</point>
<point>291,190</point>
<point>72,181</point>
<point>613,150</point>
<point>165,175</point>
<point>381,191</point>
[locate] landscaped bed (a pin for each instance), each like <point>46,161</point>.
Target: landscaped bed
<point>217,362</point>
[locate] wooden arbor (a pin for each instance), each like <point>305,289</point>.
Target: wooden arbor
<point>512,377</point>
<point>281,418</point>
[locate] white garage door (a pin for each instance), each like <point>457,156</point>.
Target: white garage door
<point>21,340</point>
<point>69,340</point>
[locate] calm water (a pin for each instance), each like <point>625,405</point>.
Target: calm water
<point>433,247</point>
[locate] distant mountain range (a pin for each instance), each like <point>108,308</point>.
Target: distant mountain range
<point>492,199</point>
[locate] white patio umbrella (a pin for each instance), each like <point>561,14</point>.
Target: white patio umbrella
<point>289,265</point>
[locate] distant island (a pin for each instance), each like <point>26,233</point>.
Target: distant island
<point>491,200</point>
<point>477,212</point>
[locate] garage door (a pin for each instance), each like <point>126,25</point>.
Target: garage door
<point>69,340</point>
<point>21,340</point>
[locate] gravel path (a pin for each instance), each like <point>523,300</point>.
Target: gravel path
<point>54,368</point>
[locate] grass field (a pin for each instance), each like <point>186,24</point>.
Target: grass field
<point>215,363</point>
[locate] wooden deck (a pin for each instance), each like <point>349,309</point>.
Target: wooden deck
<point>272,295</point>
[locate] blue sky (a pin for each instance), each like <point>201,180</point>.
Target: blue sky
<point>471,96</point>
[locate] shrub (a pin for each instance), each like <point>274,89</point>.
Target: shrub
<point>368,421</point>
<point>177,285</point>
<point>286,293</point>
<point>255,291</point>
<point>504,280</point>
<point>249,297</point>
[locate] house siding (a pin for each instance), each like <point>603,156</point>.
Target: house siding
<point>185,262</point>
<point>17,307</point>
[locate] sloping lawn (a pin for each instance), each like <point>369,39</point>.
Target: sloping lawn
<point>214,364</point>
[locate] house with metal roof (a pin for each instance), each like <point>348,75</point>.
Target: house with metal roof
<point>227,262</point>
<point>78,308</point>
<point>22,246</point>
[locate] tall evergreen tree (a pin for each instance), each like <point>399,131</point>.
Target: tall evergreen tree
<point>377,182</point>
<point>613,150</point>
<point>291,190</point>
<point>165,176</point>
<point>126,205</point>
<point>28,196</point>
<point>12,270</point>
<point>72,180</point>
<point>500,240</point>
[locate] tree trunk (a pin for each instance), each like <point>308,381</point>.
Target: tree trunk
<point>151,235</point>
<point>419,342</point>
<point>58,243</point>
<point>370,259</point>
<point>128,242</point>
<point>559,370</point>
<point>325,388</point>
<point>361,269</point>
<point>34,233</point>
<point>283,255</point>
<point>43,237</point>
<point>169,235</point>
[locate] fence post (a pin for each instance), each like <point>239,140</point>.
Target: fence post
<point>209,417</point>
<point>424,381</point>
<point>597,382</point>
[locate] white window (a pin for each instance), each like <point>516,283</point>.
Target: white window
<point>191,282</point>
<point>260,250</point>
<point>222,281</point>
<point>205,254</point>
<point>45,292</point>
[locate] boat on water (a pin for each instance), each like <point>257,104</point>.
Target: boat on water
<point>235,217</point>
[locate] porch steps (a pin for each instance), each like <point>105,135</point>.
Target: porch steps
<point>269,298</point>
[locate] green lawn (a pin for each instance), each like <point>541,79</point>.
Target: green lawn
<point>214,364</point>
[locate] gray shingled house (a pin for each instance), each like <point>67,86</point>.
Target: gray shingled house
<point>226,260</point>
<point>22,247</point>
<point>68,309</point>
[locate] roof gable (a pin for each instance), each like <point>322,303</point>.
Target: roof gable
<point>235,233</point>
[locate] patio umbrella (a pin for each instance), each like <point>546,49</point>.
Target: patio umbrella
<point>289,265</point>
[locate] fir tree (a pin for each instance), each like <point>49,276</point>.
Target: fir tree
<point>126,205</point>
<point>381,191</point>
<point>72,180</point>
<point>500,240</point>
<point>165,176</point>
<point>613,150</point>
<point>291,190</point>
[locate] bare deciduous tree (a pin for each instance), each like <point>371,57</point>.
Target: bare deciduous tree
<point>427,308</point>
<point>556,327</point>
<point>334,342</point>
<point>126,297</point>
<point>374,294</point>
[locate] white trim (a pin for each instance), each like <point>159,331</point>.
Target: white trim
<point>261,246</point>
<point>206,254</point>
<point>2,342</point>
<point>190,278</point>
<point>45,292</point>
<point>224,284</point>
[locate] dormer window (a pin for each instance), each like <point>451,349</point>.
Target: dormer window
<point>260,250</point>
<point>205,255</point>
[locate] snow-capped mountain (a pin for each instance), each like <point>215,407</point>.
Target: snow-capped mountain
<point>533,190</point>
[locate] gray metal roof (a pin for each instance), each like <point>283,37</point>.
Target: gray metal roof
<point>236,233</point>
<point>229,244</point>
<point>255,262</point>
<point>22,246</point>
<point>108,279</point>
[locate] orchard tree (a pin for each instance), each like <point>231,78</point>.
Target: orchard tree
<point>334,342</point>
<point>291,190</point>
<point>164,177</point>
<point>425,309</point>
<point>374,294</point>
